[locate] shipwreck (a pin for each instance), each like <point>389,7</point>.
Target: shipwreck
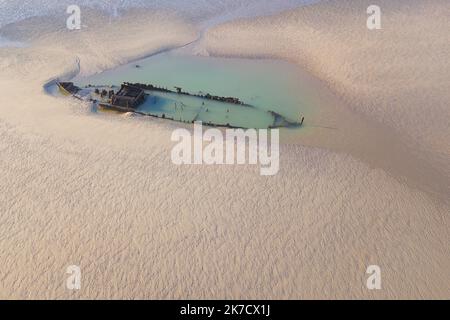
<point>177,105</point>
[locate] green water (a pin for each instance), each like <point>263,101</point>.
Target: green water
<point>267,85</point>
<point>189,109</point>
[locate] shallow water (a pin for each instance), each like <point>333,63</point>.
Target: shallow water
<point>218,11</point>
<point>267,85</point>
<point>4,42</point>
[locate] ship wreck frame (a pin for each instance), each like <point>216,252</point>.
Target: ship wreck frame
<point>129,97</point>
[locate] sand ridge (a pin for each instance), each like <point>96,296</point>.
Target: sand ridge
<point>101,192</point>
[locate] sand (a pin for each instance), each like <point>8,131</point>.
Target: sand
<point>100,191</point>
<point>397,75</point>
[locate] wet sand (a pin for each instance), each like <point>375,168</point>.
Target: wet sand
<point>100,191</point>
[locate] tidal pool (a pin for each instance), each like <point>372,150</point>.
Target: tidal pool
<point>267,85</point>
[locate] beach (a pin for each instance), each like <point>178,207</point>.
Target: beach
<point>101,192</point>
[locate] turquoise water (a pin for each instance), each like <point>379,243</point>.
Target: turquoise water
<point>267,85</point>
<point>188,109</point>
